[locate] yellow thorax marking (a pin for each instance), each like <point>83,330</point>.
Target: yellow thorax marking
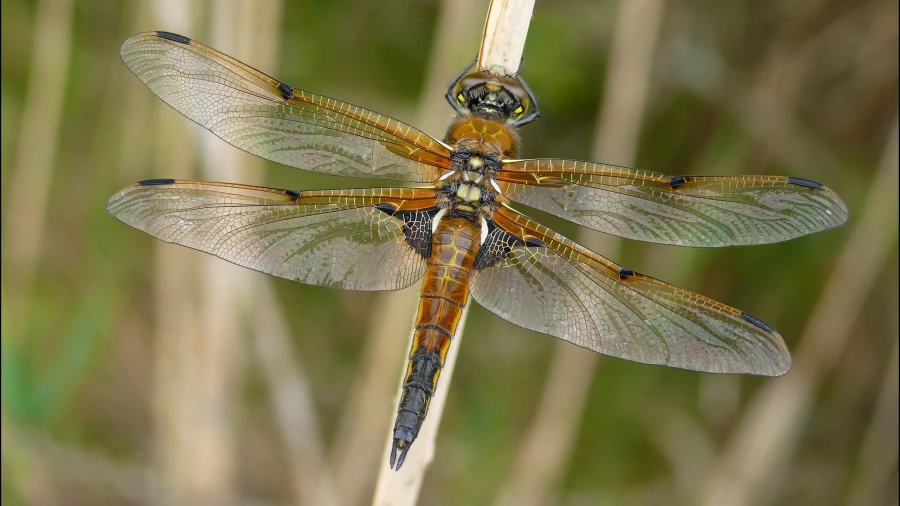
<point>469,193</point>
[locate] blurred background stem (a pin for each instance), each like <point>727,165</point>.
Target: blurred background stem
<point>175,318</point>
<point>25,209</point>
<point>763,444</point>
<point>548,443</point>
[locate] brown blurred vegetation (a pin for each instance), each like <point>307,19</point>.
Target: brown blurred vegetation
<point>135,372</point>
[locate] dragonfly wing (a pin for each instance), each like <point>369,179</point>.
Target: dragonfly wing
<point>544,282</point>
<point>680,210</point>
<point>270,119</point>
<point>350,239</point>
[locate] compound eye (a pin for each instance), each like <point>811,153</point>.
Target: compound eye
<point>461,99</point>
<point>518,111</point>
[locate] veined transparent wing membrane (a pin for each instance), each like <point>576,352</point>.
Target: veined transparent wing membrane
<point>270,119</point>
<point>335,238</point>
<point>680,210</point>
<point>555,286</point>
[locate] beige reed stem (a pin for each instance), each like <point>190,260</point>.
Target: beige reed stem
<point>501,50</point>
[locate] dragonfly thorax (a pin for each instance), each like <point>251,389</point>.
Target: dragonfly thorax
<point>469,193</point>
<point>469,189</point>
<point>475,162</point>
<point>471,199</point>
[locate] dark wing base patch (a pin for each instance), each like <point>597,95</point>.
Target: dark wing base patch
<point>416,227</point>
<point>496,247</point>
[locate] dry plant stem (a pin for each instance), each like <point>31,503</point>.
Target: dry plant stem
<point>767,107</point>
<point>254,29</point>
<point>456,44</point>
<point>356,455</point>
<point>503,40</point>
<point>49,461</point>
<point>289,390</point>
<point>765,102</point>
<point>36,150</point>
<point>26,472</point>
<point>44,458</point>
<point>175,318</point>
<point>174,327</point>
<point>540,459</point>
<point>292,400</point>
<point>215,356</point>
<point>135,149</point>
<point>548,443</point>
<point>402,488</point>
<point>357,452</point>
<point>250,30</point>
<point>764,442</point>
<point>878,456</point>
<point>684,442</point>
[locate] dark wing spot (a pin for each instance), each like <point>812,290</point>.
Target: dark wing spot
<point>756,321</point>
<point>388,209</point>
<point>625,273</point>
<point>155,182</point>
<point>804,182</point>
<point>676,181</point>
<point>174,37</point>
<point>286,91</point>
<point>531,242</point>
<point>292,193</point>
<point>496,247</point>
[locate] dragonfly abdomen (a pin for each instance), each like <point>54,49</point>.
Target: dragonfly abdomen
<point>445,291</point>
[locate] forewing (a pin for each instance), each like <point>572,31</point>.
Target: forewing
<point>558,287</point>
<point>679,210</point>
<point>336,238</point>
<point>267,118</point>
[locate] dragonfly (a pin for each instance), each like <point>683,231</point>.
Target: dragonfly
<point>456,225</point>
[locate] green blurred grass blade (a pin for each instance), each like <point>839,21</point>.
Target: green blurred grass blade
<point>36,392</point>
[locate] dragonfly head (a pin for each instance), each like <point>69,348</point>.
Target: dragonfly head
<point>501,98</point>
